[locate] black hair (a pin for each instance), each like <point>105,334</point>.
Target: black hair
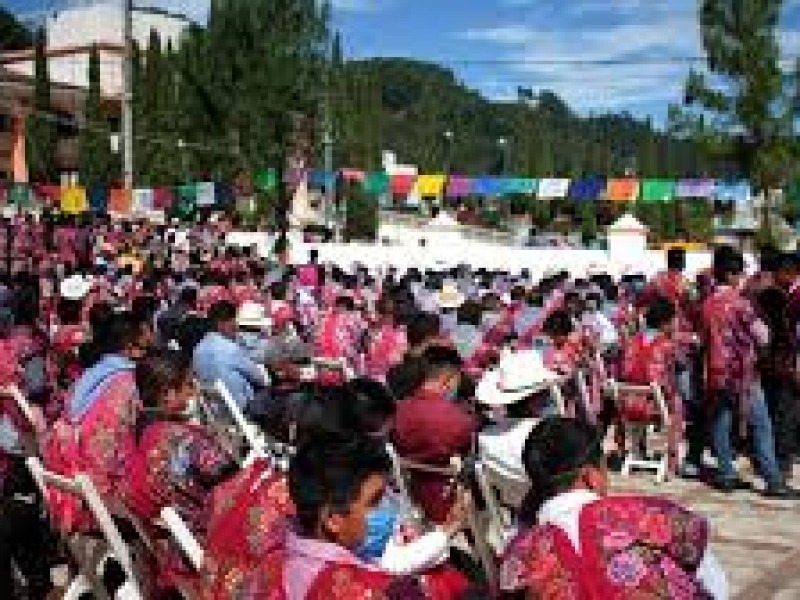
<point>558,323</point>
<point>470,313</point>
<point>769,259</point>
<point>676,259</point>
<point>727,261</point>
<point>143,309</point>
<point>422,326</point>
<point>188,296</point>
<point>192,329</point>
<point>661,310</point>
<point>440,358</point>
<point>366,406</point>
<point>346,303</point>
<point>328,471</point>
<point>555,451</point>
<point>69,311</point>
<point>112,331</point>
<point>158,373</point>
<point>220,312</point>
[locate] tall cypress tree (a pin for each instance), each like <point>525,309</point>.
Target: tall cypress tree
<point>95,156</point>
<point>40,129</point>
<point>750,120</point>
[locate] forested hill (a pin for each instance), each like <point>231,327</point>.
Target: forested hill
<point>407,106</point>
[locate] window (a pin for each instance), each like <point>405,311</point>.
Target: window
<point>5,123</point>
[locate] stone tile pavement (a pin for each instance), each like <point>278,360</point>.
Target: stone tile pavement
<point>757,540</point>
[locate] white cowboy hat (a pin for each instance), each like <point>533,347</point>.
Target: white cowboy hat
<point>450,297</point>
<point>252,315</point>
<point>518,375</point>
<point>75,287</point>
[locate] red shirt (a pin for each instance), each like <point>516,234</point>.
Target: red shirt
<point>430,429</point>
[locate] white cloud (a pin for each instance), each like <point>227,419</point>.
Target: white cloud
<point>361,6</point>
<point>560,55</point>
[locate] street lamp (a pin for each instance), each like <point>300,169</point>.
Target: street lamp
<point>503,144</point>
<point>448,150</point>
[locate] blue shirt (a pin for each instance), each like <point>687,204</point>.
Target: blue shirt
<point>217,357</point>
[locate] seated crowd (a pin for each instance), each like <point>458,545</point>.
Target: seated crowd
<point>327,434</point>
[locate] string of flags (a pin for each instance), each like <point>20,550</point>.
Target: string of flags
<point>183,200</point>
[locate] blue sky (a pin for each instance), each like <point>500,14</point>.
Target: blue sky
<point>464,34</point>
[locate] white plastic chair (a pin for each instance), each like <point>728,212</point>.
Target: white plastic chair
<point>499,529</point>
<point>402,467</point>
<point>638,434</point>
<point>256,442</point>
<point>92,568</point>
<point>183,537</point>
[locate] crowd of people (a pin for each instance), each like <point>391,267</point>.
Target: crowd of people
<point>386,392</point>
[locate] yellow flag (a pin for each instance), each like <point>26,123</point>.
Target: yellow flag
<point>74,200</point>
<point>430,185</point>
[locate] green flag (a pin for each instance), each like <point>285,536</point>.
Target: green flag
<point>267,180</point>
<point>186,201</point>
<point>657,190</point>
<point>376,183</point>
<point>20,195</point>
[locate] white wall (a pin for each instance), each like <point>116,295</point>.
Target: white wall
<point>490,256</point>
<point>99,23</point>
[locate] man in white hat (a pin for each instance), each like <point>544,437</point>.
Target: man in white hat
<point>518,394</point>
<point>253,330</point>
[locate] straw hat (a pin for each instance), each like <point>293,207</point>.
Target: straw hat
<point>252,315</point>
<point>449,297</point>
<point>75,288</point>
<point>517,376</point>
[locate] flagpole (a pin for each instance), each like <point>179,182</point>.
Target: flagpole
<point>127,98</point>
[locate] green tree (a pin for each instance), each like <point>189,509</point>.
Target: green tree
<point>13,35</point>
<point>40,128</point>
<point>588,222</point>
<point>361,221</point>
<point>747,118</point>
<point>95,159</point>
<point>159,154</point>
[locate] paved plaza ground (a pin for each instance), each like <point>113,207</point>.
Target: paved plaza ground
<point>757,540</point>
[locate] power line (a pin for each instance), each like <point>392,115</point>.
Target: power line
<point>666,60</point>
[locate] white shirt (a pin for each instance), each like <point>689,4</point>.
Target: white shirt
<point>563,511</point>
<point>500,450</point>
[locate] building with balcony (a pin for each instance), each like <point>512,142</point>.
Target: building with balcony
<point>71,34</point>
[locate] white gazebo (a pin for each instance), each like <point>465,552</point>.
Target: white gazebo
<point>627,240</point>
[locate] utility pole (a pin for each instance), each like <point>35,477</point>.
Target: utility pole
<point>127,98</point>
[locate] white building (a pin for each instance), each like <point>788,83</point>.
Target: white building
<point>72,32</point>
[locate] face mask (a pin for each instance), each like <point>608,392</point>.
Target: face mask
<point>381,522</point>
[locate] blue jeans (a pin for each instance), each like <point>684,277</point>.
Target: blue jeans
<point>722,428</point>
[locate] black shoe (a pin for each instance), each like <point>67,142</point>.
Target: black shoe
<point>781,492</point>
<point>727,486</point>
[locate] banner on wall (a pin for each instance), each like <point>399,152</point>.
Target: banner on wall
<point>552,189</point>
<point>733,191</point>
<point>267,180</point>
<point>695,188</point>
<point>430,185</point>
<point>458,186</point>
<point>623,190</point>
<point>520,185</point>
<point>589,189</point>
<point>657,190</point>
<point>402,184</point>
<point>376,183</point>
